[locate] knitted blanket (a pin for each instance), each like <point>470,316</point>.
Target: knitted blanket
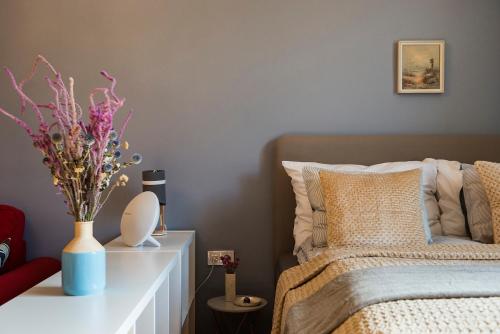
<point>455,314</point>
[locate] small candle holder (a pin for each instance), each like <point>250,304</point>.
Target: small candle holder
<point>154,180</point>
<point>162,228</point>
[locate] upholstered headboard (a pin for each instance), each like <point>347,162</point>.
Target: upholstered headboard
<point>365,150</point>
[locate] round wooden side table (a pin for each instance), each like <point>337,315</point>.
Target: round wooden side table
<point>220,307</point>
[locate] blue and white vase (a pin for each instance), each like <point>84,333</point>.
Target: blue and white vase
<point>83,263</point>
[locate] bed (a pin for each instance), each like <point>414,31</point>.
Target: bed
<point>305,291</point>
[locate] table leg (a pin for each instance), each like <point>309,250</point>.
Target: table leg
<point>218,328</point>
<point>222,327</point>
<point>253,317</point>
<point>241,323</point>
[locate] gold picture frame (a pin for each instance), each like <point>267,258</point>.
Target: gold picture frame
<point>420,67</point>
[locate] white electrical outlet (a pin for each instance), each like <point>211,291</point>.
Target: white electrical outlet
<point>215,255</point>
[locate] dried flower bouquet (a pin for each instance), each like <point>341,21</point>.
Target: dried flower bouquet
<point>229,265</point>
<point>82,156</point>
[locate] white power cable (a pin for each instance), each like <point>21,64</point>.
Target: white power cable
<point>205,280</point>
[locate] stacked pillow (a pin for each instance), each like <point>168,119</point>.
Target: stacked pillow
<point>316,198</point>
<point>477,206</point>
<point>310,217</point>
<point>463,201</point>
<point>453,197</point>
<point>449,185</point>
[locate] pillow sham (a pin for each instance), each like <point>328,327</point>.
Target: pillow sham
<point>490,178</point>
<point>366,209</point>
<point>315,195</point>
<point>478,207</point>
<point>4,252</point>
<point>449,184</point>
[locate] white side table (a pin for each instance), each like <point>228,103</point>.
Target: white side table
<point>181,308</point>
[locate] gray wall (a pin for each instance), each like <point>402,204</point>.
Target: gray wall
<point>213,83</point>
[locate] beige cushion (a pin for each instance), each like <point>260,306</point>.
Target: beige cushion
<point>490,177</point>
<point>374,209</point>
<point>478,207</point>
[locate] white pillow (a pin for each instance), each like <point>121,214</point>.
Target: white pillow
<point>302,227</point>
<point>303,211</point>
<point>449,185</point>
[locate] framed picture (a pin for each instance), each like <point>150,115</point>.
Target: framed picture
<point>420,67</point>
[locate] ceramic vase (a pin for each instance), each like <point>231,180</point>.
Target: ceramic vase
<point>230,287</point>
<point>83,263</point>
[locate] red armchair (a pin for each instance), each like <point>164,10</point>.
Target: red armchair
<point>18,275</point>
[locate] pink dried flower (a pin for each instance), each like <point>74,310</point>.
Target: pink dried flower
<point>79,156</point>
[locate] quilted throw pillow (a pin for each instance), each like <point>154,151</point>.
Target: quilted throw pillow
<point>490,178</point>
<point>477,205</point>
<point>4,252</point>
<point>366,209</point>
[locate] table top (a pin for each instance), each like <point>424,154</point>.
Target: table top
<point>172,241</point>
<point>219,304</point>
<point>45,309</point>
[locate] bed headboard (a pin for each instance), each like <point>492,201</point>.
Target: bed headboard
<point>365,150</point>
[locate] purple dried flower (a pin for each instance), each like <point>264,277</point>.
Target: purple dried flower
<point>229,265</point>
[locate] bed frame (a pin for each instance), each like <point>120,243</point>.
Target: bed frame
<point>365,150</point>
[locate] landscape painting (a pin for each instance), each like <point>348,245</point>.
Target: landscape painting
<point>420,67</point>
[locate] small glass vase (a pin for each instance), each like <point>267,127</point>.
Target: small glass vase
<point>83,263</point>
<point>230,287</point>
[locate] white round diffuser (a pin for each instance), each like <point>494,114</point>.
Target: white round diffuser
<point>139,219</point>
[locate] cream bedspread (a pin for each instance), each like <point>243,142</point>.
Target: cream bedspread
<point>453,315</point>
